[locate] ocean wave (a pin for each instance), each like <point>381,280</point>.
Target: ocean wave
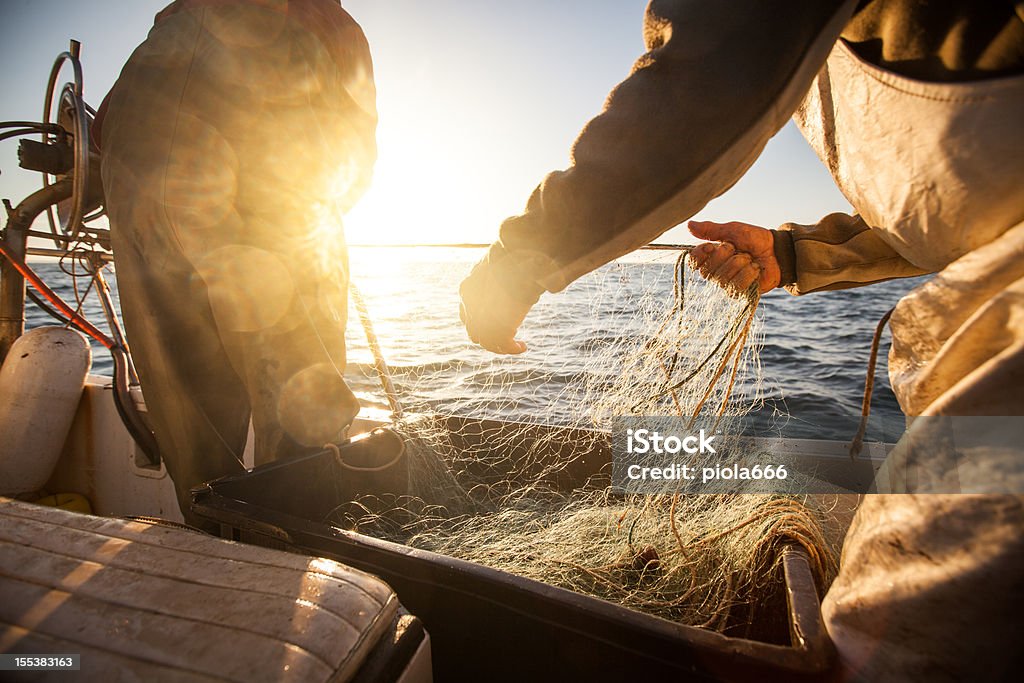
<point>815,348</point>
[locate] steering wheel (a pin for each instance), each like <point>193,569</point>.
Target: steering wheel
<point>73,116</point>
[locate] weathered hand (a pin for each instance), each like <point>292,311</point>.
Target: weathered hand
<point>491,316</point>
<point>738,255</point>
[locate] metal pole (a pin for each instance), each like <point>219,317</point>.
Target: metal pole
<point>15,241</point>
<point>116,331</point>
<point>12,292</point>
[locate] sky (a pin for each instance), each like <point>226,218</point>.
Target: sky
<point>478,100</point>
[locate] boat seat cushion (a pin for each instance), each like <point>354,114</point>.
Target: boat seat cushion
<point>146,602</point>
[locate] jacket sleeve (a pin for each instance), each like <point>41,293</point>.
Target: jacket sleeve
<point>839,252</point>
<point>717,82</point>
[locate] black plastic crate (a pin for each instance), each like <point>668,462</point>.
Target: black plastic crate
<point>486,624</point>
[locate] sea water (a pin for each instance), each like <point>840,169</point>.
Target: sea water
<point>814,356</point>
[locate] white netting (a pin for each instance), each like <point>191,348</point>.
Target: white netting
<point>535,499</point>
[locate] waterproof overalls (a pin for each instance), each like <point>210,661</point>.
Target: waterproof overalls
<point>234,139</point>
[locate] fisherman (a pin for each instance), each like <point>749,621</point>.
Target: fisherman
<point>234,139</point>
<point>916,109</point>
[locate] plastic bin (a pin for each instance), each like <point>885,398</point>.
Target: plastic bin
<point>486,624</point>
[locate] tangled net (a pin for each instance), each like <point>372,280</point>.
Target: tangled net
<point>536,501</point>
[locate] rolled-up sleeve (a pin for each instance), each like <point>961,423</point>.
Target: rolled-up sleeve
<point>838,252</point>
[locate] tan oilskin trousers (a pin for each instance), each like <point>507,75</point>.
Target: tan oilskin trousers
<point>230,148</point>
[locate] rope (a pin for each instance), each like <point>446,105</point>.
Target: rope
<point>45,308</point>
<point>379,468</point>
<point>379,364</point>
<point>736,337</point>
<point>869,386</point>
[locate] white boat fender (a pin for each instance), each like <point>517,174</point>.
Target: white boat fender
<point>41,383</point>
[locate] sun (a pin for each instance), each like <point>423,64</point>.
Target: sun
<point>438,178</point>
<point>413,197</point>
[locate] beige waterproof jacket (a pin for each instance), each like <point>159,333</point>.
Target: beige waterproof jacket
<point>719,80</point>
<point>929,586</point>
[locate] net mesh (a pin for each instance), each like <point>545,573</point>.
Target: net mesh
<point>535,499</point>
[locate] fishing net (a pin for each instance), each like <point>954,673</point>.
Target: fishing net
<point>534,497</point>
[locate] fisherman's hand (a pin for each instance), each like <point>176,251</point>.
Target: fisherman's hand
<point>737,255</point>
<point>495,301</point>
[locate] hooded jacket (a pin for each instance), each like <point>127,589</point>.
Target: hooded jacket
<point>697,110</point>
<point>915,107</point>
